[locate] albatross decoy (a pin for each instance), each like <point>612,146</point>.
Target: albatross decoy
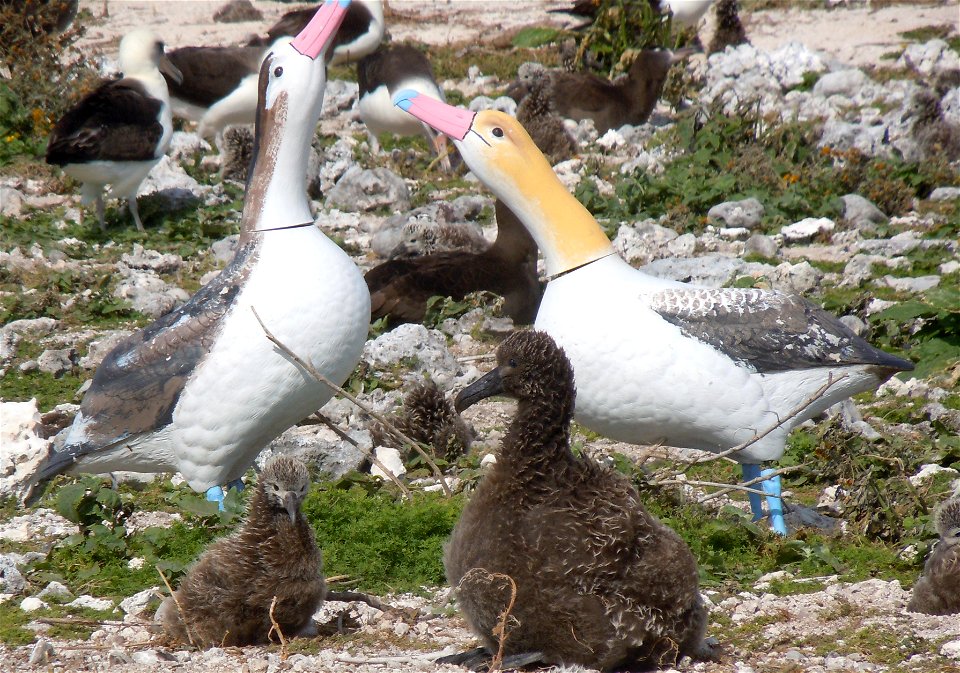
<point>382,74</point>
<point>219,85</point>
<point>117,133</point>
<point>360,33</point>
<point>937,592</point>
<point>658,360</point>
<point>400,288</point>
<point>225,598</point>
<point>600,582</point>
<point>202,390</point>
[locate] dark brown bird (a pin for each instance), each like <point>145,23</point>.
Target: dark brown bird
<point>937,592</point>
<point>600,582</point>
<point>428,417</point>
<point>225,598</point>
<point>581,95</point>
<point>730,31</point>
<point>400,288</point>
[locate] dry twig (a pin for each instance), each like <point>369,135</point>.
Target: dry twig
<point>670,477</point>
<point>500,630</point>
<point>356,596</point>
<point>390,427</point>
<point>367,453</point>
<point>274,626</point>
<point>183,615</point>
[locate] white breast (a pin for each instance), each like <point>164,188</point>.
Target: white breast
<point>638,378</point>
<point>246,391</point>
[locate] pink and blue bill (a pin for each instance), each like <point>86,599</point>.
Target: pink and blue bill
<point>447,119</point>
<point>322,27</point>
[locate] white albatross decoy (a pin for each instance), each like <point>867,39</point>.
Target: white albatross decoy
<point>219,86</point>
<point>657,360</point>
<point>202,390</point>
<point>117,133</point>
<point>387,71</point>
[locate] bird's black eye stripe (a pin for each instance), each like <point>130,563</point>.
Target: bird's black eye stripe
<point>498,132</point>
<point>278,71</point>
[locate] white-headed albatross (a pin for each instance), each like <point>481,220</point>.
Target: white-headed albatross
<point>657,360</point>
<point>202,390</point>
<point>117,133</point>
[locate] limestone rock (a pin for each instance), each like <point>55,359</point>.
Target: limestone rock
<point>23,447</point>
<point>369,189</point>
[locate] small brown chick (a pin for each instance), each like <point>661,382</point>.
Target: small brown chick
<point>428,417</point>
<point>730,31</point>
<point>225,598</point>
<point>236,153</point>
<point>581,95</point>
<point>934,134</point>
<point>545,128</point>
<point>937,592</point>
<point>599,582</point>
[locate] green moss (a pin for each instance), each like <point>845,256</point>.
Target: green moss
<point>386,544</point>
<point>13,621</point>
<point>49,391</point>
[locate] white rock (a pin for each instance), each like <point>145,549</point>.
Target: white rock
<point>391,461</point>
<point>419,350</point>
<point>141,602</point>
<point>32,603</point>
<point>928,471</point>
<point>912,284</point>
<point>488,460</point>
<point>55,590</point>
<point>22,449</point>
<point>951,649</point>
<point>807,228</point>
<point>87,601</point>
<point>945,194</point>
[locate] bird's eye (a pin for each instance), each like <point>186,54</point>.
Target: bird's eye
<point>276,488</point>
<point>278,71</point>
<point>512,362</point>
<point>498,132</point>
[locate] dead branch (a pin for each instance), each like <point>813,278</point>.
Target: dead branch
<point>356,596</point>
<point>79,621</point>
<point>743,485</point>
<point>367,454</point>
<point>500,630</point>
<point>274,626</point>
<point>183,615</point>
<point>392,429</point>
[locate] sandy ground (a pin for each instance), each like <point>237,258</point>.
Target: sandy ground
<point>855,34</point>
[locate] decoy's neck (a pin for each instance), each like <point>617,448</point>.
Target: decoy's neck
<point>565,231</point>
<point>537,442</point>
<point>276,193</point>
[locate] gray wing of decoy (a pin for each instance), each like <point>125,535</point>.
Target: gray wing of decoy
<point>768,331</point>
<point>136,388</point>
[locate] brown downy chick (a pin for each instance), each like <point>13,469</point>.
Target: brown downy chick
<point>428,417</point>
<point>225,598</point>
<point>600,582</point>
<point>545,128</point>
<point>730,31</point>
<point>934,134</point>
<point>937,592</point>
